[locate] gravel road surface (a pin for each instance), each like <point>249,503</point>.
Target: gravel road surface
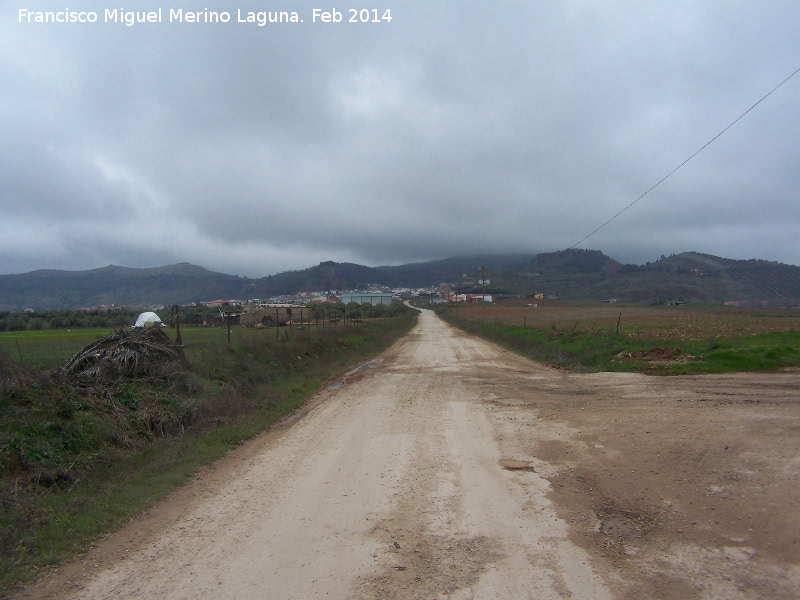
<point>450,468</point>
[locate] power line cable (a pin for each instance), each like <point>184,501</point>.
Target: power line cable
<point>708,143</point>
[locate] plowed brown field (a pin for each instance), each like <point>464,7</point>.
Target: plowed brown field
<point>675,322</point>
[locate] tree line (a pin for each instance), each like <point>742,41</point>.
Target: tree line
<point>66,319</point>
<point>189,315</point>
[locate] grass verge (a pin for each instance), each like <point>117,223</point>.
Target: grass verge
<point>604,350</point>
<point>77,463</point>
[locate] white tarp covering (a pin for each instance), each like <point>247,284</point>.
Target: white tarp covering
<point>147,319</point>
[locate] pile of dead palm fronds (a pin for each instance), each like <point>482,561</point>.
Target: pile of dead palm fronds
<point>140,352</point>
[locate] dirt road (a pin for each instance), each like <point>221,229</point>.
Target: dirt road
<point>454,469</point>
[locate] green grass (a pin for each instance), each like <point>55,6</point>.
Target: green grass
<point>761,352</point>
<point>597,350</point>
<point>71,520</point>
<point>46,349</point>
<point>77,463</point>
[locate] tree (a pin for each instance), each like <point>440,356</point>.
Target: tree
<point>352,310</point>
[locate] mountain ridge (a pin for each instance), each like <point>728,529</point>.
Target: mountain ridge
<point>574,273</point>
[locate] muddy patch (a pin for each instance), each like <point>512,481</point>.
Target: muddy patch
<point>425,566</point>
<point>350,375</point>
<point>660,355</point>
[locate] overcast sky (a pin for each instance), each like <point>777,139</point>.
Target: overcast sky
<point>458,127</point>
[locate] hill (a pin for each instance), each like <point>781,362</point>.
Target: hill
<point>441,271</point>
<point>173,284</point>
<point>574,273</point>
<point>567,273</point>
<point>686,277</point>
<point>185,283</point>
<point>327,275</point>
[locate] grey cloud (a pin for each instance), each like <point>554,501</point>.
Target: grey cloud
<point>458,127</point>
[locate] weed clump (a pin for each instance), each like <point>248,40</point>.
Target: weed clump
<point>144,352</point>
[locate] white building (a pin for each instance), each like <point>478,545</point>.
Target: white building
<point>370,298</point>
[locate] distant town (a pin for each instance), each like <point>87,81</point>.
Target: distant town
<point>371,296</point>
